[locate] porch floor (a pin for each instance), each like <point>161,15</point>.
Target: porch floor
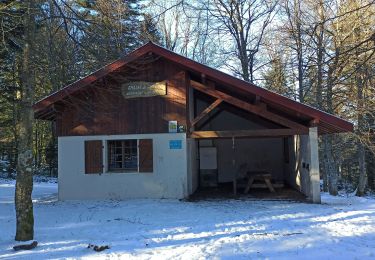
<point>225,191</point>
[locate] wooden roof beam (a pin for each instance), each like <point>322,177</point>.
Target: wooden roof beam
<point>259,110</point>
<point>45,115</point>
<point>259,133</point>
<point>258,102</point>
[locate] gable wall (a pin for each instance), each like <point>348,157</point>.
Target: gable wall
<point>103,112</point>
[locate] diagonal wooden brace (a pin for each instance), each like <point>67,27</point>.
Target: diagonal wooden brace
<point>206,111</point>
<point>255,109</point>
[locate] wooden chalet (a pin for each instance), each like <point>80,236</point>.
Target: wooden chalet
<point>155,124</point>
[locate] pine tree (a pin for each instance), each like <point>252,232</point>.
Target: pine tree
<point>118,27</point>
<point>275,79</point>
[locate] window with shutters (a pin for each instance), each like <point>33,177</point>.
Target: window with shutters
<point>130,155</point>
<point>123,155</point>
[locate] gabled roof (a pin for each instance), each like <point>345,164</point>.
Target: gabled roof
<point>326,122</point>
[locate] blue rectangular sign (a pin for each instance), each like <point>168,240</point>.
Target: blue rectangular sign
<point>175,144</point>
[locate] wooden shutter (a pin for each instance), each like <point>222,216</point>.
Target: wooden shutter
<point>93,156</point>
<point>146,158</point>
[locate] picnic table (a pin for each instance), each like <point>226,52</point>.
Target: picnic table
<point>259,176</point>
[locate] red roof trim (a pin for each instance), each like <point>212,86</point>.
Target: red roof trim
<point>249,87</point>
<point>73,87</point>
<point>200,68</point>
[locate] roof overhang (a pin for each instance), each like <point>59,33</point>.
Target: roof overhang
<point>326,122</point>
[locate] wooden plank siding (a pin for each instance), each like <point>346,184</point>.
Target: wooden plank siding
<point>106,112</point>
<point>167,63</point>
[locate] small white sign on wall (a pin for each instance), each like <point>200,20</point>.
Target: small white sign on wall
<point>172,126</point>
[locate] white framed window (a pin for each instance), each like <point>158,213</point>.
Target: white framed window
<point>123,155</point>
<point>128,155</point>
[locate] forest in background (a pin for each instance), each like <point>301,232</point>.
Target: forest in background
<point>319,52</point>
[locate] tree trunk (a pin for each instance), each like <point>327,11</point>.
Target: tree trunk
<point>325,176</point>
<point>370,169</point>
<point>361,122</point>
<point>24,181</point>
<point>15,114</point>
<point>301,92</point>
<point>362,170</point>
<point>329,165</point>
<point>319,83</point>
<point>320,56</point>
<point>296,20</point>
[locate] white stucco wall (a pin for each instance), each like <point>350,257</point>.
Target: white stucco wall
<point>169,179</point>
<point>305,158</point>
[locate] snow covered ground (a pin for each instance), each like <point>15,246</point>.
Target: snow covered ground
<point>341,228</point>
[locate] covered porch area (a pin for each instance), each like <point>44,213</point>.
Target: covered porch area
<point>276,168</point>
<point>243,149</point>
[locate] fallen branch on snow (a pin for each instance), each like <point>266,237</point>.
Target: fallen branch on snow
<point>98,248</point>
<point>26,246</point>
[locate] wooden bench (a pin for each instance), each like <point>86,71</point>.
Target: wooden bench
<point>260,176</point>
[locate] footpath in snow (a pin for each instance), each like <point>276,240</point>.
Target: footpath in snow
<point>339,228</point>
